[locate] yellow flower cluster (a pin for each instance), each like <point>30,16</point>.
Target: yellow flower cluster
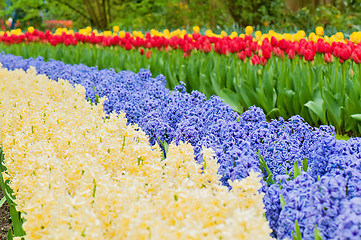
<point>78,174</point>
<point>258,35</point>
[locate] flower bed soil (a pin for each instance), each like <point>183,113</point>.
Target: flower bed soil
<point>5,222</point>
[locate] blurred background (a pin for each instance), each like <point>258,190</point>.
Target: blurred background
<point>279,15</point>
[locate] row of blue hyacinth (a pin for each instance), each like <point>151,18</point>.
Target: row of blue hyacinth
<point>323,193</point>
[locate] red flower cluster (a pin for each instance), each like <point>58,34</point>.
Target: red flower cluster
<point>245,48</point>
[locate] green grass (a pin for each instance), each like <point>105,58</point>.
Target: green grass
<point>342,137</point>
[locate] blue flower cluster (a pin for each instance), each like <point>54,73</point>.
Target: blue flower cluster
<point>326,196</point>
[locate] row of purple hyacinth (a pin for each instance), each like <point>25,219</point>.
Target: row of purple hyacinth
<point>326,194</point>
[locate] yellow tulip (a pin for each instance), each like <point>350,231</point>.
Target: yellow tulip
<point>249,30</point>
<point>88,29</point>
<point>31,29</point>
<point>17,31</point>
<point>340,36</point>
<point>209,33</point>
<point>319,31</point>
<point>258,35</point>
<point>196,29</point>
<point>107,33</point>
<point>115,28</point>
<point>327,39</point>
<point>271,33</point>
<point>153,32</point>
<point>233,35</point>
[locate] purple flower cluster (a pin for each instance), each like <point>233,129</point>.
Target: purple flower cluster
<point>327,196</point>
<point>331,204</point>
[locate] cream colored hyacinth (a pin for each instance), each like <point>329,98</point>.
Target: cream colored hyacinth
<point>79,175</point>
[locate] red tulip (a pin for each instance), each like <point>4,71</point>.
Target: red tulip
<point>128,46</point>
<point>255,59</point>
<point>242,55</point>
<point>356,57</point>
<point>345,53</point>
<point>274,42</point>
<point>263,61</point>
<point>266,53</point>
<point>248,52</point>
<point>328,57</point>
<point>309,55</point>
<point>291,54</point>
<point>278,52</point>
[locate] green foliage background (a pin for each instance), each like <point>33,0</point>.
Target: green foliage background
<point>173,14</point>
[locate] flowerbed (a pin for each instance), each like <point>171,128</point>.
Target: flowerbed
<point>316,91</point>
<point>79,174</point>
<point>311,180</point>
<point>258,48</point>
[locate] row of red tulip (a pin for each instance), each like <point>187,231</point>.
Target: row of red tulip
<point>247,47</point>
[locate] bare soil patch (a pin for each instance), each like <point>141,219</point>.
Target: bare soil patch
<point>5,222</point>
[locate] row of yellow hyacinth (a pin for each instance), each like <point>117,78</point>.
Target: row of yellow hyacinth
<point>77,174</point>
<point>258,35</point>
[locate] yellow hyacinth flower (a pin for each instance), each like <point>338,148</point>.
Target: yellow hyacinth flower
<point>87,174</point>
